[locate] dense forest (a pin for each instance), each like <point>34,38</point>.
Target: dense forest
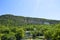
<point>19,27</point>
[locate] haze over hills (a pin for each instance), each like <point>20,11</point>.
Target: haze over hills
<point>13,20</point>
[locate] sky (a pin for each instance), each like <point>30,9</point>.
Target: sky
<point>49,9</point>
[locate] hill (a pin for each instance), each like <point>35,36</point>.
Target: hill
<point>13,20</point>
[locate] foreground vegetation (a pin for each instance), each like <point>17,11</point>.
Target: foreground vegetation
<point>50,32</point>
<point>19,27</point>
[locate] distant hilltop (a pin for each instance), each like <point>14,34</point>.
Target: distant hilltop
<point>13,20</point>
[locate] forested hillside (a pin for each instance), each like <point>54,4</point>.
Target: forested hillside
<point>27,28</point>
<point>13,20</point>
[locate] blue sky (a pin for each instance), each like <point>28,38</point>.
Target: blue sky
<point>49,9</point>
